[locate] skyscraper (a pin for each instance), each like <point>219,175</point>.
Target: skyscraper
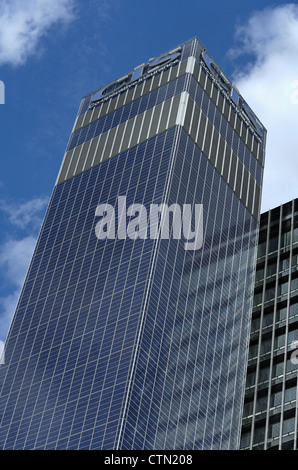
<point>270,409</point>
<point>123,337</point>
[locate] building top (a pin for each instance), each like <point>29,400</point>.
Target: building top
<point>183,87</point>
<point>192,48</point>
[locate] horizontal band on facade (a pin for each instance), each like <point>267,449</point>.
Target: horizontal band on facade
<point>222,157</point>
<point>189,67</point>
<point>134,92</point>
<point>179,110</point>
<point>118,139</point>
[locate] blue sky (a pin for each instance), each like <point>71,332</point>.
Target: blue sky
<point>53,52</point>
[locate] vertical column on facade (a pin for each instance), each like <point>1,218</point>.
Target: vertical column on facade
<point>260,339</point>
<point>287,330</point>
<point>292,240</point>
<point>261,331</point>
<point>273,328</point>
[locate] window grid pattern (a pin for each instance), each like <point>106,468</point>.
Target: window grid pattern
<point>129,344</point>
<point>270,417</point>
<point>75,328</point>
<point>218,120</point>
<point>129,111</point>
<point>195,337</point>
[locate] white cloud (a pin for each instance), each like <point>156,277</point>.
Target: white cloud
<point>23,23</point>
<point>26,214</point>
<point>15,257</point>
<point>7,308</point>
<point>270,38</point>
<point>16,254</point>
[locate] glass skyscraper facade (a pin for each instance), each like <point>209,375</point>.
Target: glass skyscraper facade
<point>136,342</point>
<point>270,409</point>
